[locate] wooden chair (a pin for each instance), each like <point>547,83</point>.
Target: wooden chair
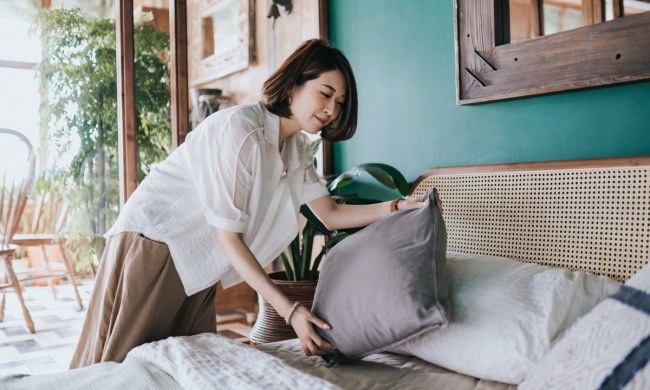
<point>45,234</point>
<point>17,166</point>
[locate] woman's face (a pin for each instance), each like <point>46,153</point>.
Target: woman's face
<point>318,102</point>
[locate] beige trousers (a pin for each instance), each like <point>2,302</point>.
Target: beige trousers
<point>138,298</point>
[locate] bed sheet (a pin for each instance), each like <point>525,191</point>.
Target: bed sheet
<point>378,371</point>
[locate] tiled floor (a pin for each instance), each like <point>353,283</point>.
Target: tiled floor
<point>58,325</point>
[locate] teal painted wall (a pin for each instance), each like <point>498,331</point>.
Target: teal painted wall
<point>402,53</point>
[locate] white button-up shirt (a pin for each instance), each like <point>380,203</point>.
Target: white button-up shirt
<point>229,174</point>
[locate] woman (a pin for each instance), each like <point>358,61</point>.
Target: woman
<point>221,207</point>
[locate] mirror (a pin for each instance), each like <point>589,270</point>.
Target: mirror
<point>489,68</point>
<point>555,16</point>
<point>226,39</point>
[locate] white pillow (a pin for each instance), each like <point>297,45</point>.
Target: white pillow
<point>505,315</point>
<point>599,347</point>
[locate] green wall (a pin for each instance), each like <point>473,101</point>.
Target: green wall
<point>402,53</point>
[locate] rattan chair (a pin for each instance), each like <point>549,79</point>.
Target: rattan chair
<point>17,166</point>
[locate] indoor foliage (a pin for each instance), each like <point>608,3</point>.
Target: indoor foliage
<point>297,259</point>
<point>78,78</point>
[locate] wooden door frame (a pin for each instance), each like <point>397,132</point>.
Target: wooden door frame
<point>126,111</point>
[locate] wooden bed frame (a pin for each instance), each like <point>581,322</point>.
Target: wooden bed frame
<point>590,215</point>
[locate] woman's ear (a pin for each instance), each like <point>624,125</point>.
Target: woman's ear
<point>293,93</point>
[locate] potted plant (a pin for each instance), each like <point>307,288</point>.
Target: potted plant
<point>300,276</point>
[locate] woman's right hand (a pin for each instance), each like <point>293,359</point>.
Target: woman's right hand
<point>303,322</point>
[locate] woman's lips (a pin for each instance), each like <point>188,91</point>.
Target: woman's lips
<point>321,121</point>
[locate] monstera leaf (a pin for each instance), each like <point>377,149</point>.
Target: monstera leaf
<point>387,175</point>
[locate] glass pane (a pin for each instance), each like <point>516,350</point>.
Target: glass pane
<point>562,15</point>
<point>609,10</point>
<point>23,45</point>
<point>78,159</point>
<point>632,7</point>
<point>559,15</point>
<point>19,101</point>
<point>520,20</point>
<point>94,8</point>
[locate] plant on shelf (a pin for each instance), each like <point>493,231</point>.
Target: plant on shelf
<point>298,280</point>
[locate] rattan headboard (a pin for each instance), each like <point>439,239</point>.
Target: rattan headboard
<point>591,215</point>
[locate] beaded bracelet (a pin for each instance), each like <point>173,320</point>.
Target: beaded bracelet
<point>293,309</point>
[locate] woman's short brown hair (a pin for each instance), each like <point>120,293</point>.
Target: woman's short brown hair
<point>308,62</point>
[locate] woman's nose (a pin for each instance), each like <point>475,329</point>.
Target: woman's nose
<point>329,107</point>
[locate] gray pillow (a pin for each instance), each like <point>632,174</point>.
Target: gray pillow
<point>385,283</point>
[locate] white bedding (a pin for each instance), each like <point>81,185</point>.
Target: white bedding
<point>379,371</point>
<point>205,361</point>
<point>211,361</point>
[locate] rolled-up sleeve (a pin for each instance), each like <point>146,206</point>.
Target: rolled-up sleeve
<point>222,175</point>
<point>313,187</point>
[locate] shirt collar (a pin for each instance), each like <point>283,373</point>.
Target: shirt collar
<point>272,136</point>
<point>271,126</point>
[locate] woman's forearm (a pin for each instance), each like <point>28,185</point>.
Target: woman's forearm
<point>243,261</point>
<point>302,320</point>
<point>344,216</point>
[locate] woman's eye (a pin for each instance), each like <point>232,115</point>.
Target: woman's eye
<point>327,96</point>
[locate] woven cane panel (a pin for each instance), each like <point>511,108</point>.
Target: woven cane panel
<point>595,220</point>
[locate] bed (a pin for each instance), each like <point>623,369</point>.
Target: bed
<point>567,216</point>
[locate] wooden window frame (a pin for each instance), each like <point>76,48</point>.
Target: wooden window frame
<point>179,71</point>
<point>324,33</point>
<point>611,52</point>
<point>127,141</point>
<point>126,114</point>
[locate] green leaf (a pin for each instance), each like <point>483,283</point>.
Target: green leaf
<point>385,174</point>
<point>294,252</point>
<point>312,272</point>
<point>335,239</point>
<point>312,219</point>
<point>315,145</point>
<point>314,150</point>
<point>307,246</point>
<point>288,266</point>
<point>341,181</point>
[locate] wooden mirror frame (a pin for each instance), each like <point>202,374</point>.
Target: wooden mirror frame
<point>611,52</point>
<point>240,57</point>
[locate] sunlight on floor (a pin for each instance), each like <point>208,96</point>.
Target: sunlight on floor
<point>58,324</point>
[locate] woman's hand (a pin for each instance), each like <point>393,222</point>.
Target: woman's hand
<point>303,322</point>
<point>414,203</point>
